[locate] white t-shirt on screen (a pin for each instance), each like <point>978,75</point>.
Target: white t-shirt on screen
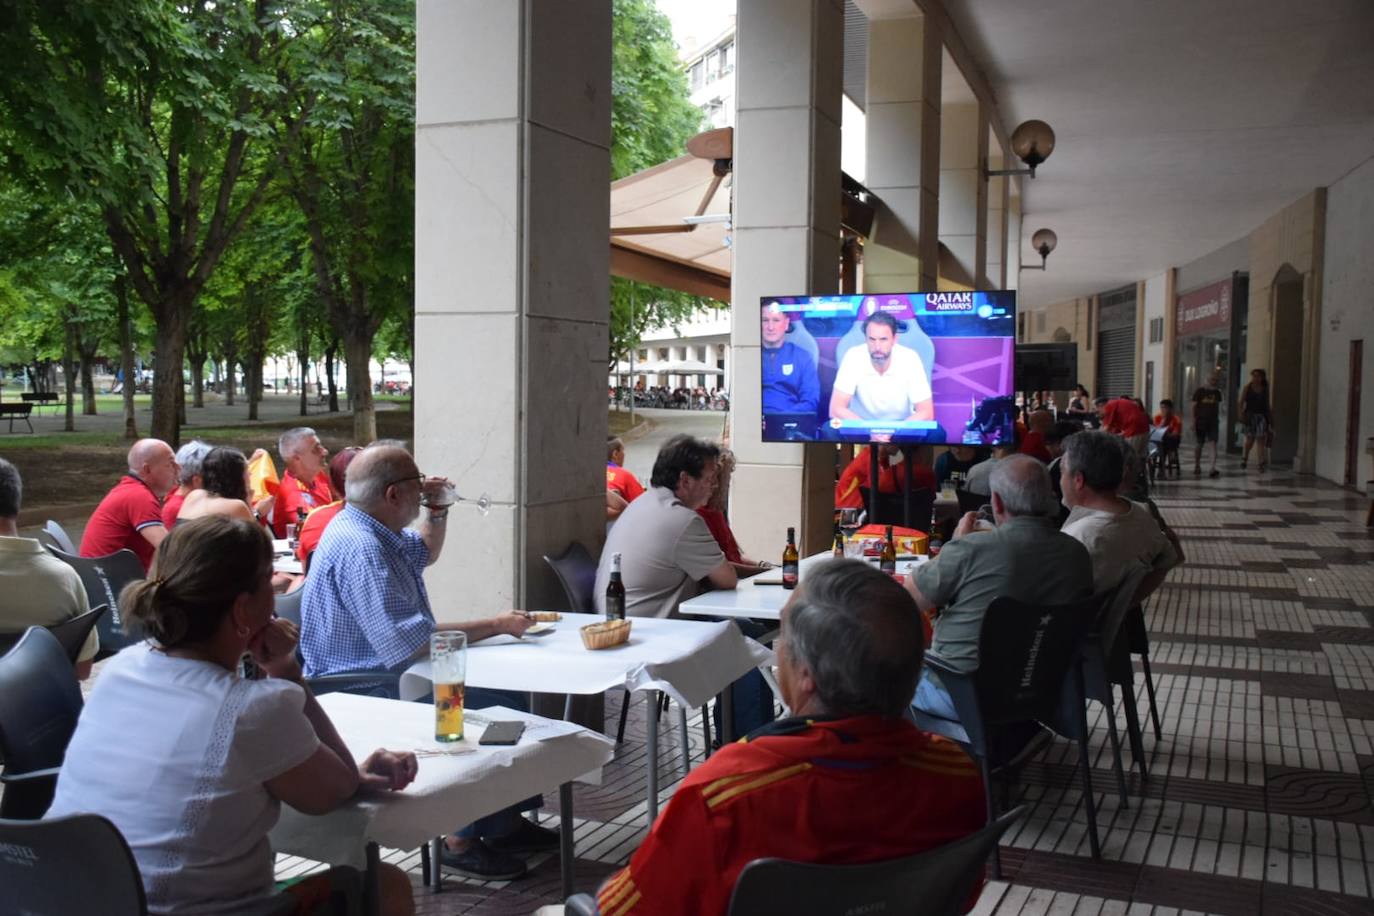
<point>891,395</point>
<point>175,753</point>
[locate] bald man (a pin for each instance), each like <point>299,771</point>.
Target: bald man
<point>130,515</point>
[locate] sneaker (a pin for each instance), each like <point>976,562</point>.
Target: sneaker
<point>482,862</point>
<point>1214,473</point>
<point>528,837</point>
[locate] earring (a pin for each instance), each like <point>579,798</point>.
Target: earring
<point>242,631</point>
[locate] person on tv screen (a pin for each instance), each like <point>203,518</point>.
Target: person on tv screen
<point>882,380</point>
<point>790,384</point>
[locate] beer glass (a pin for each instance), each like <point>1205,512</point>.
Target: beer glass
<point>448,657</point>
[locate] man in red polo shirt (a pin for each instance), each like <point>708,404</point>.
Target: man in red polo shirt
<point>305,485</point>
<point>619,480</point>
<point>130,515</point>
<point>847,780</point>
<point>319,519</point>
<point>1128,419</point>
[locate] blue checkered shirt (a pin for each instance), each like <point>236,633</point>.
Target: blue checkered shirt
<point>365,606</point>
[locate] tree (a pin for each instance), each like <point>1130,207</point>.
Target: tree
<point>164,115</point>
<point>652,118</point>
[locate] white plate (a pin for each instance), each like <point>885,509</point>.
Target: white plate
<point>539,629</point>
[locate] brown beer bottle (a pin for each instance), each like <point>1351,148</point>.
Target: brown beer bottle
<point>888,562</point>
<point>839,543</point>
<point>615,592</point>
<point>791,563</point>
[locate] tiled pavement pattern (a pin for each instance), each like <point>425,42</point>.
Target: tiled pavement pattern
<point>1259,796</point>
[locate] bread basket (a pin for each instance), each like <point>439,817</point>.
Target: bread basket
<point>605,634</point>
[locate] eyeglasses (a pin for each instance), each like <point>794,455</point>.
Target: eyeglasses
<point>390,484</point>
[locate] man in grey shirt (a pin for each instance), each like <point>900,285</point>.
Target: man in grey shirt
<point>1024,558</point>
<point>664,545</point>
<point>980,474</point>
<point>1121,536</point>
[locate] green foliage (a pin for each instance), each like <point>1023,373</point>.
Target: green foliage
<point>652,118</point>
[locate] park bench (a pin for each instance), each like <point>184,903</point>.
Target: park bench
<point>17,409</point>
<point>39,398</point>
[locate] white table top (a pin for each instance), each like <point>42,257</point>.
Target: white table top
<point>690,660</point>
<point>451,789</point>
<point>759,601</point>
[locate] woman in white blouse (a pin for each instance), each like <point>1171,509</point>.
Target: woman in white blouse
<point>190,761</point>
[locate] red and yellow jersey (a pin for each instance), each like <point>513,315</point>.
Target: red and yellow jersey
<point>890,478</point>
<point>623,482</point>
<point>841,792</point>
<point>295,500</point>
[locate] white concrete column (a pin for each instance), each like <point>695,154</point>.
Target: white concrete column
<point>902,146</point>
<point>997,218</point>
<point>1013,247</point>
<point>786,232</point>
<point>512,206</point>
<point>963,189</point>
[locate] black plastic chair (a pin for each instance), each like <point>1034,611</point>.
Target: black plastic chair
<point>936,882</point>
<point>971,502</point>
<point>104,578</point>
<point>891,510</point>
<point>59,537</point>
<point>1138,643</point>
<point>1026,653</point>
<point>288,606</point>
<point>71,633</point>
<point>76,864</point>
<point>40,701</point>
<point>576,572</point>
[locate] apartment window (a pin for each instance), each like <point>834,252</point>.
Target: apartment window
<point>643,356</point>
<point>728,54</point>
<point>1039,322</point>
<point>697,75</point>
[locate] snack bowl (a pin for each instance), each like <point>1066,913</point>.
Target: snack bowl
<point>605,634</point>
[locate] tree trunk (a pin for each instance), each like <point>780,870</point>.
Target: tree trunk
<point>87,383</point>
<point>331,372</point>
<point>181,397</point>
<point>69,375</point>
<point>358,351</point>
<point>252,380</point>
<point>197,380</point>
<point>168,393</point>
<point>303,357</point>
<point>126,355</point>
<point>231,359</point>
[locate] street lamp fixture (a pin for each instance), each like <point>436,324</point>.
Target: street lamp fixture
<point>1044,241</point>
<point>1032,142</point>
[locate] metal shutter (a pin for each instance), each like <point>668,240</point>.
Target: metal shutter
<point>1116,362</point>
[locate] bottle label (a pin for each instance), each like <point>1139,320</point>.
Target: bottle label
<point>615,607</point>
<point>791,572</point>
<point>887,566</point>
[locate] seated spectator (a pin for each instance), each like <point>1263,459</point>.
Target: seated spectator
<point>130,515</point>
<point>891,476</point>
<point>1172,425</point>
<point>1024,558</point>
<point>954,464</point>
<point>173,715</point>
<point>1040,422</point>
<point>1054,441</point>
<point>1121,536</point>
<point>846,780</point>
<point>1128,419</point>
<point>313,527</point>
<point>714,514</point>
<point>40,590</point>
<point>305,485</point>
<point>665,547</point>
<point>224,489</point>
<point>189,457</point>
<point>619,480</point>
<point>365,608</point>
<point>978,477</point>
<point>1081,406</point>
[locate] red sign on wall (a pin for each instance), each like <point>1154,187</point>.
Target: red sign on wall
<point>1205,309</point>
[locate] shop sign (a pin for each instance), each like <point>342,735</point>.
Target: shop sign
<point>1202,310</point>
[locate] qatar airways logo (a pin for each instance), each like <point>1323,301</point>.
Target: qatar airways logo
<point>949,302</point>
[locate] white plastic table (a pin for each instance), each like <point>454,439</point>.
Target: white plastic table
<point>283,559</point>
<point>689,660</point>
<point>456,784</point>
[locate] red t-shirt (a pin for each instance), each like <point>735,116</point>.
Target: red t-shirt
<point>313,527</point>
<point>623,482</point>
<point>720,530</point>
<point>890,478</point>
<point>294,496</point>
<point>125,511</point>
<point>1174,426</point>
<point>841,792</point>
<point>1034,445</point>
<point>171,507</point>
<point>1125,418</point>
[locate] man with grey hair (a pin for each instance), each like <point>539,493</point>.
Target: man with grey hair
<point>1023,557</point>
<point>1121,536</point>
<point>849,776</point>
<point>130,515</point>
<point>305,485</point>
<point>189,459</point>
<point>365,609</point>
<point>39,589</point>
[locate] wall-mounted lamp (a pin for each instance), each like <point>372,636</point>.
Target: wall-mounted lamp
<point>1032,142</point>
<point>1044,241</point>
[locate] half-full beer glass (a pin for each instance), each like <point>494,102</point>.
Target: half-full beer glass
<point>448,656</point>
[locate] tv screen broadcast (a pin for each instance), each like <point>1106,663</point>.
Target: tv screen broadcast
<point>905,368</point>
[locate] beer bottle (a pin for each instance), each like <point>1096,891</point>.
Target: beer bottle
<point>791,563</point>
<point>888,562</point>
<point>839,542</point>
<point>936,542</point>
<point>615,592</point>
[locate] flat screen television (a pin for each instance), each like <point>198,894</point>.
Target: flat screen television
<point>906,368</point>
<point>1046,367</point>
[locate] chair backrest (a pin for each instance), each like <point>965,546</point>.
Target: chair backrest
<point>40,701</point>
<point>971,502</point>
<point>797,333</point>
<point>890,508</point>
<point>1115,604</point>
<point>71,633</point>
<point>104,578</point>
<point>288,606</point>
<point>59,536</point>
<point>1024,653</point>
<point>576,571</point>
<point>75,864</point>
<point>935,882</point>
